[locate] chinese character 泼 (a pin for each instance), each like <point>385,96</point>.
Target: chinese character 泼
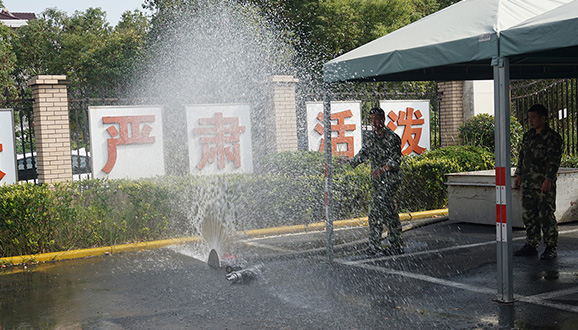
<point>122,135</point>
<point>222,140</point>
<point>341,128</point>
<point>411,135</point>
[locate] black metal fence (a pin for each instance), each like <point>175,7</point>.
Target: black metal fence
<point>22,104</point>
<point>560,97</point>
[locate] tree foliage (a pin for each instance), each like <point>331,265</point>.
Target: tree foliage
<point>101,60</point>
<point>98,59</point>
<point>325,29</point>
<point>7,58</point>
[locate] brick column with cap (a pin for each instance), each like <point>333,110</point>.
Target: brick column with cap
<point>51,128</point>
<point>284,114</point>
<point>451,111</point>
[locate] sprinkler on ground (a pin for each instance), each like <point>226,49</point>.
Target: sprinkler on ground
<point>235,273</point>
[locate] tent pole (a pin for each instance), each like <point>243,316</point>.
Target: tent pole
<point>503,179</point>
<point>328,171</point>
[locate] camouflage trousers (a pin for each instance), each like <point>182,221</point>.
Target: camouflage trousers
<point>538,215</point>
<point>383,213</point>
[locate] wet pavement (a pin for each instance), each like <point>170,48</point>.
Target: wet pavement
<point>445,280</point>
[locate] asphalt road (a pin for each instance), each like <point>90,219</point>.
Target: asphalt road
<point>446,280</point>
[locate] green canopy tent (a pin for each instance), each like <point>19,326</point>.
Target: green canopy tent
<point>464,41</point>
<point>545,46</point>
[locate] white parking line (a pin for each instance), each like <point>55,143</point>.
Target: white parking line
<point>266,246</point>
<point>546,303</point>
<point>553,294</point>
<point>425,278</point>
<point>450,248</point>
<point>538,299</point>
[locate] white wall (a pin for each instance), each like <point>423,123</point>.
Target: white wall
<point>478,98</point>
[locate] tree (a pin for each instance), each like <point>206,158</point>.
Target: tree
<point>7,58</point>
<point>97,58</point>
<point>38,45</point>
<point>325,29</point>
<point>111,68</point>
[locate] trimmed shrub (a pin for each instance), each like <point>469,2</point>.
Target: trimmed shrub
<point>42,218</point>
<point>479,131</point>
<point>89,213</point>
<point>569,161</point>
<point>423,177</point>
<point>30,216</point>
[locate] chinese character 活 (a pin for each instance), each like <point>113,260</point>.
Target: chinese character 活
<point>221,131</point>
<point>411,135</point>
<point>136,136</point>
<point>341,128</point>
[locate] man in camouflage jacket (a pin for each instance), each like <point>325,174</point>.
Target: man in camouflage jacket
<point>382,148</point>
<point>536,174</point>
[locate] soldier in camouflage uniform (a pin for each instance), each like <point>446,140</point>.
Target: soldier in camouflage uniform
<point>382,148</point>
<point>536,174</point>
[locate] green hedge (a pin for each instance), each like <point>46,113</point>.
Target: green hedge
<point>569,161</point>
<point>89,213</point>
<point>422,185</point>
<point>423,177</point>
<point>479,131</point>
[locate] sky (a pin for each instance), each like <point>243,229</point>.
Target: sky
<point>113,8</point>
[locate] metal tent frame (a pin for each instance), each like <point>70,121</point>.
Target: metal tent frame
<point>470,40</point>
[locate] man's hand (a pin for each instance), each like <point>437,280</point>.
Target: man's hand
<point>517,182</point>
<point>342,160</point>
<point>546,185</point>
<point>379,172</point>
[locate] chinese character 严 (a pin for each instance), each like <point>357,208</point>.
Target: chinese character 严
<point>222,131</point>
<point>411,135</point>
<point>136,136</point>
<point>341,128</point>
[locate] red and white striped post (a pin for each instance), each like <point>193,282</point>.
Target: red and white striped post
<point>501,206</point>
<point>328,173</point>
<point>503,179</point>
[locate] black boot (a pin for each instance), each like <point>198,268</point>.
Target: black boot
<point>549,253</point>
<point>526,250</point>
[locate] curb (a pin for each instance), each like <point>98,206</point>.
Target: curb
<point>357,222</point>
<point>84,253</point>
<point>319,226</point>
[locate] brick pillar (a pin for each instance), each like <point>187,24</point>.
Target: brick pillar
<point>51,128</point>
<point>284,114</point>
<point>451,111</point>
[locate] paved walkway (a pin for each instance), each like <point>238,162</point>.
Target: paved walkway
<point>446,280</point>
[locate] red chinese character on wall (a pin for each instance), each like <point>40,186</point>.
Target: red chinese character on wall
<point>134,136</point>
<point>411,135</point>
<point>2,174</point>
<point>341,128</point>
<point>223,141</point>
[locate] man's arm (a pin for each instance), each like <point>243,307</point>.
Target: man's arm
<point>554,157</point>
<point>554,154</point>
<point>518,172</point>
<point>360,158</point>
